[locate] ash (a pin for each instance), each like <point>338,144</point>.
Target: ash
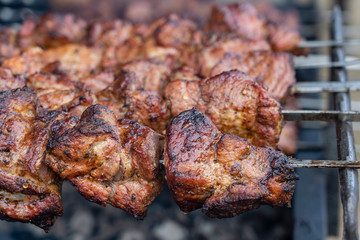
<point>85,220</point>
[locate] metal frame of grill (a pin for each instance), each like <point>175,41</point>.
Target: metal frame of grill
<point>342,115</point>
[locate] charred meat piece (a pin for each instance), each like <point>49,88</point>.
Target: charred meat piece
<point>272,70</point>
<point>176,32</point>
<point>150,75</point>
<point>222,174</point>
<point>97,81</point>
<point>76,60</point>
<point>125,99</point>
<point>241,18</point>
<point>29,190</point>
<point>216,47</point>
<point>109,161</point>
<point>111,33</point>
<point>8,81</point>
<point>249,23</point>
<point>184,73</point>
<point>52,30</point>
<point>234,102</point>
<point>57,92</point>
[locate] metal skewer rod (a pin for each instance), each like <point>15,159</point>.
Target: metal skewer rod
<point>328,64</point>
<point>295,163</point>
<point>323,164</point>
<point>316,87</point>
<point>328,43</point>
<point>315,115</point>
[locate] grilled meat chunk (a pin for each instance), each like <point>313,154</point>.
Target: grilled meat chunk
<point>97,82</point>
<point>57,92</point>
<point>150,75</point>
<point>216,47</point>
<point>125,99</point>
<point>249,23</point>
<point>52,30</point>
<point>111,33</point>
<point>234,102</point>
<point>272,70</point>
<point>241,18</point>
<point>176,32</point>
<point>109,161</point>
<point>76,60</point>
<point>222,174</point>
<point>8,81</point>
<point>29,190</point>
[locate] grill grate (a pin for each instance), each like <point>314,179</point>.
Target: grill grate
<point>349,186</point>
<point>342,114</point>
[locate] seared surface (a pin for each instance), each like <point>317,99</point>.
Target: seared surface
<point>150,75</point>
<point>8,81</point>
<point>234,102</point>
<point>29,190</point>
<point>125,99</point>
<point>272,70</point>
<point>222,174</point>
<point>216,47</point>
<point>250,23</point>
<point>109,161</point>
<point>57,92</point>
<point>76,60</point>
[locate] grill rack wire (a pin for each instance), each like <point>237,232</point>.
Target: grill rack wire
<point>341,113</point>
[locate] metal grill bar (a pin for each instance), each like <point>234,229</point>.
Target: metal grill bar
<point>328,43</point>
<point>332,64</point>
<point>349,185</point>
<point>316,87</point>
<point>313,115</point>
<point>323,164</point>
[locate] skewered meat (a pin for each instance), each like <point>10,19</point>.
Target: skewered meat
<point>8,81</point>
<point>241,18</point>
<point>57,92</point>
<point>184,73</point>
<point>125,99</point>
<point>216,48</point>
<point>176,32</point>
<point>76,60</point>
<point>234,102</point>
<point>249,23</point>
<point>29,191</point>
<point>149,74</point>
<point>222,174</point>
<point>52,30</point>
<point>97,82</point>
<point>112,33</point>
<point>272,70</point>
<point>109,161</point>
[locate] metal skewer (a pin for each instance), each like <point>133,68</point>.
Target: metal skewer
<point>315,87</point>
<point>328,43</point>
<point>323,164</point>
<point>315,115</point>
<point>295,163</point>
<point>327,64</point>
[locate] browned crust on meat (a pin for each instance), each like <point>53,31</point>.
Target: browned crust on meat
<point>222,174</point>
<point>30,191</point>
<point>109,161</point>
<point>234,102</point>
